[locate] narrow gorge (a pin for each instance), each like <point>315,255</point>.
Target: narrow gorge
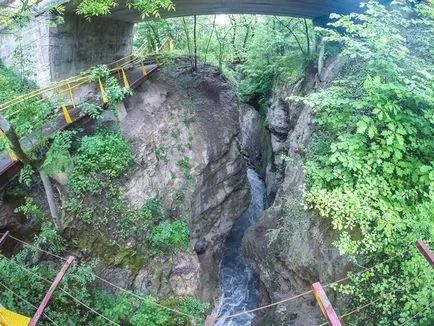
<point>192,143</point>
<point>236,169</point>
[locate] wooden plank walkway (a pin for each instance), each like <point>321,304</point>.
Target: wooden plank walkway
<point>9,169</point>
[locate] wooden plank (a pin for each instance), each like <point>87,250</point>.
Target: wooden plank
<point>424,250</point>
<point>50,291</point>
<point>325,305</point>
<point>210,320</point>
<point>4,237</point>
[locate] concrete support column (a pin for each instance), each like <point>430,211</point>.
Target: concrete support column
<point>77,45</point>
<point>59,52</point>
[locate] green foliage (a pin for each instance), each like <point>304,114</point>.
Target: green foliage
<point>91,110</point>
<point>23,59</point>
<point>175,133</point>
<point>49,238</point>
<point>153,209</point>
<point>170,236</point>
<point>28,116</point>
<point>240,46</point>
<point>189,305</point>
<point>92,8</point>
<point>270,58</point>
<point>151,8</point>
<point>115,92</point>
<point>79,281</point>
<point>371,172</point>
<point>57,12</point>
<point>26,175</point>
<point>30,209</point>
<point>99,157</point>
<point>179,196</point>
<point>185,166</point>
<point>57,158</point>
<point>161,153</point>
<point>79,210</point>
<point>21,277</point>
<point>99,72</point>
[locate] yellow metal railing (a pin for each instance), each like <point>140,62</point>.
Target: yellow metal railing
<point>70,84</point>
<point>130,61</point>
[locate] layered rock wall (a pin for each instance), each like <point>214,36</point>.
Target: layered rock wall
<point>289,247</point>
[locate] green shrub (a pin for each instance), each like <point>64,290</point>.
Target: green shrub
<point>371,170</point>
<point>175,133</point>
<point>169,235</point>
<point>91,110</point>
<point>99,156</point>
<point>29,115</point>
<point>153,208</point>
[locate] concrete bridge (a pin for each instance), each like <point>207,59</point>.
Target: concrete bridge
<point>66,50</point>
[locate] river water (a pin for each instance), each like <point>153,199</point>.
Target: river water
<point>239,284</point>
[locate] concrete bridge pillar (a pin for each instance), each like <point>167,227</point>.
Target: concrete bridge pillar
<point>66,50</point>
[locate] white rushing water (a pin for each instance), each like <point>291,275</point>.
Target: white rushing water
<point>239,284</point>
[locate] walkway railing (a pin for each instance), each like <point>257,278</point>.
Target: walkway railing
<point>67,85</point>
<point>131,70</point>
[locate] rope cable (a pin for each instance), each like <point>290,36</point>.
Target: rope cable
<point>324,286</point>
<point>236,314</point>
<point>110,283</point>
<point>412,318</point>
<point>35,247</point>
<point>369,268</point>
<point>61,289</point>
<point>355,310</point>
<point>29,303</point>
<point>266,306</point>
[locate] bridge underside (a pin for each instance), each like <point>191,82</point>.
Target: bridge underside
<point>75,46</point>
<point>295,8</point>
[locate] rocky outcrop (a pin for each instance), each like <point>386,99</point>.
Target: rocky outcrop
<point>180,274</point>
<point>183,129</point>
<point>291,248</point>
<point>255,139</point>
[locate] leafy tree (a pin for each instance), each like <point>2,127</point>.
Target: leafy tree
<point>372,167</point>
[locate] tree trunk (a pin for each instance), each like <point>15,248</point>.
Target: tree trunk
<point>321,59</point>
<point>156,36</point>
<point>210,36</point>
<point>23,157</point>
<point>187,35</point>
<point>50,198</point>
<point>195,44</point>
<point>306,28</point>
<point>14,140</point>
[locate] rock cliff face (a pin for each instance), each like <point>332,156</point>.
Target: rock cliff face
<point>289,247</point>
<point>183,129</point>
